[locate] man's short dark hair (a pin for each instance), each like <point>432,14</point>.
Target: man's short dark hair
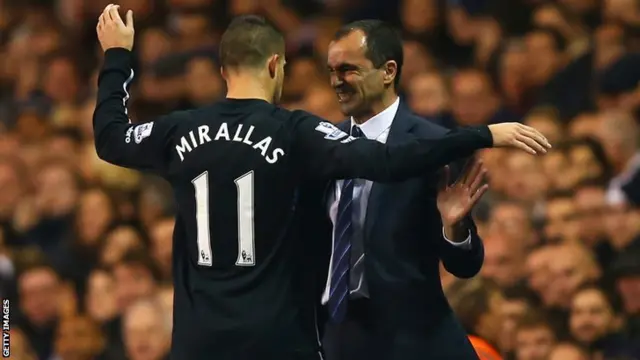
<point>383,42</point>
<point>248,42</point>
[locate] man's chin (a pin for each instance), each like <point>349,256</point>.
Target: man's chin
<point>347,109</point>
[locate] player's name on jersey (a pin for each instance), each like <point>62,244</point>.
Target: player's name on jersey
<point>201,136</point>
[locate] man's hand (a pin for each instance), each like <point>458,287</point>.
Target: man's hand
<point>456,201</point>
<point>515,135</point>
<point>112,31</point>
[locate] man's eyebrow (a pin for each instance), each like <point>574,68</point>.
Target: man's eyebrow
<point>343,66</point>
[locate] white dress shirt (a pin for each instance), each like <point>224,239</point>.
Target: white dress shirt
<point>615,195</point>
<point>376,128</point>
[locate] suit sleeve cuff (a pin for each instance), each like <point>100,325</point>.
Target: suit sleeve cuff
<point>466,244</point>
<point>117,58</point>
<point>485,134</point>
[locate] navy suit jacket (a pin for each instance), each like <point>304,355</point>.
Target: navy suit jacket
<point>403,244</point>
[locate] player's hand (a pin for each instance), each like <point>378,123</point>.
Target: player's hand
<point>112,31</point>
<point>516,135</point>
<point>456,201</point>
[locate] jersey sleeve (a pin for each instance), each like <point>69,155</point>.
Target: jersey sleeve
<point>324,151</point>
<point>117,141</point>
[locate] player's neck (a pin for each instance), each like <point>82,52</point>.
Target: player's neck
<point>247,87</point>
<point>376,108</point>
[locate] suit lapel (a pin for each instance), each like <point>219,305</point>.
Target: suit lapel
<point>399,132</point>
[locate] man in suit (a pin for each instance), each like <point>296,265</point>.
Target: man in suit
<point>382,295</point>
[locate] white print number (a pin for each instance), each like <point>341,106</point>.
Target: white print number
<point>246,241</point>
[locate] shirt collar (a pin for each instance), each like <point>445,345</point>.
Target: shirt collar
<point>382,121</point>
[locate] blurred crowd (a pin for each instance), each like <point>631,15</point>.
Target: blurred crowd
<point>85,248</point>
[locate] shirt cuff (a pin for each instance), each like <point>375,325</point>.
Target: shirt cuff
<point>466,244</point>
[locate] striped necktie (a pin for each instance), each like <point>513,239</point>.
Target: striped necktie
<point>341,256</point>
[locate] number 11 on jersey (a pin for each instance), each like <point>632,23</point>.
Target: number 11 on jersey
<point>246,242</point>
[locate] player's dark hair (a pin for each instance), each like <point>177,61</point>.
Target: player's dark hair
<point>383,42</point>
<point>248,42</point>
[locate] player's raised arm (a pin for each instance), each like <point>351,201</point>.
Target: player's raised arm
<point>138,146</point>
<point>325,151</point>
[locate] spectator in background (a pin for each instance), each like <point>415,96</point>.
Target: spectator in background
<point>572,266</point>
<point>165,298</point>
<point>504,260</point>
<point>475,101</point>
<point>77,256</point>
<point>428,95</point>
<point>203,82</point>
<point>136,277</point>
<point>589,199</point>
<point>417,61</point>
<point>79,338</point>
<point>147,331</point>
<point>320,99</point>
<point>595,323</point>
<point>620,136</point>
<point>568,351</point>
<point>58,190</point>
<point>119,241</point>
<point>547,121</point>
<point>518,301</point>
<point>534,337</point>
<point>555,169</point>
<point>626,273</point>
<point>527,182</point>
<point>588,160</point>
<point>583,126</point>
<point>101,305</point>
<point>510,74</point>
<point>618,84</point>
<point>162,245</point>
<point>12,190</point>
<point>38,290</point>
<point>464,62</point>
<point>513,220</point>
<point>559,218</point>
<point>478,305</point>
<point>539,271</point>
<point>20,347</point>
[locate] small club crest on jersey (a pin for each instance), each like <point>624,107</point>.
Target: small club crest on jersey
<point>205,257</point>
<point>142,131</point>
<point>331,131</point>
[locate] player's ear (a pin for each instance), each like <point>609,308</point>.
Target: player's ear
<point>390,72</point>
<point>273,65</point>
<point>223,73</point>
